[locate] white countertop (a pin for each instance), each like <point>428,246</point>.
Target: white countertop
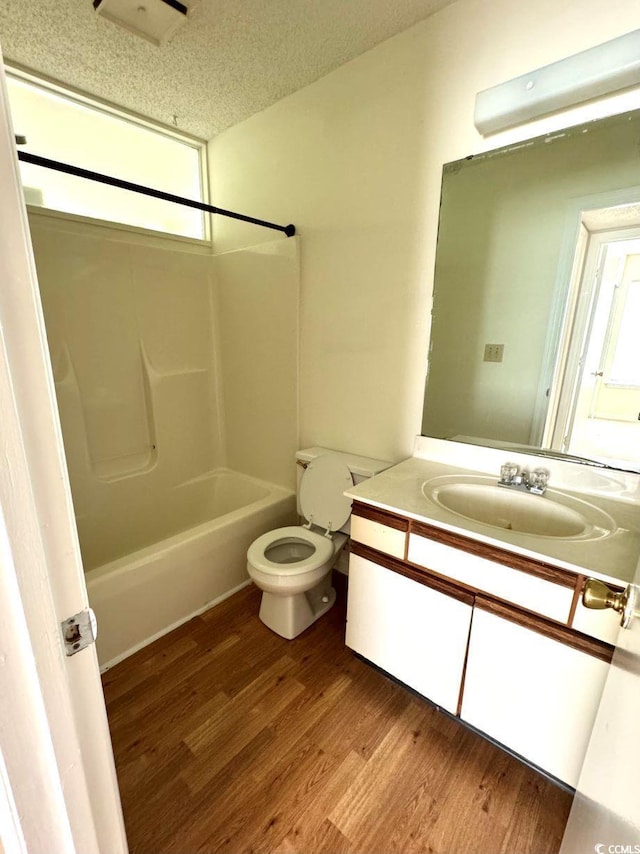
<point>615,556</point>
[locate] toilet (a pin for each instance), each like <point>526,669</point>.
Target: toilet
<point>292,565</point>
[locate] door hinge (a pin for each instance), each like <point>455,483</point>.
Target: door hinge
<point>79,631</point>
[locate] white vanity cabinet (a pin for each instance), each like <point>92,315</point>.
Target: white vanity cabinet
<point>415,631</point>
<point>533,687</point>
<point>496,638</point>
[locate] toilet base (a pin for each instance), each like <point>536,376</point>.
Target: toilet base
<point>289,616</point>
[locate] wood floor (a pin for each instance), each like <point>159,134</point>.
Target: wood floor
<point>228,738</point>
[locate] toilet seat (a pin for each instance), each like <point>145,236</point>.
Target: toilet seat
<point>322,488</point>
<point>322,551</point>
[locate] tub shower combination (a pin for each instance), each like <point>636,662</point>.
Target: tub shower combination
<point>191,557</point>
<point>161,359</point>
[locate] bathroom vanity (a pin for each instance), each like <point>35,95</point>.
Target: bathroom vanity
<point>485,621</point>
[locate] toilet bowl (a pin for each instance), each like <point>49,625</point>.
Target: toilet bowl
<point>292,565</point>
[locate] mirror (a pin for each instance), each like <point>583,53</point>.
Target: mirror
<point>535,336</point>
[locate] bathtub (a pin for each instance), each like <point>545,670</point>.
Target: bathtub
<point>150,571</point>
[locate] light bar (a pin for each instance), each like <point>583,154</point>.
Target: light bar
<point>592,73</point>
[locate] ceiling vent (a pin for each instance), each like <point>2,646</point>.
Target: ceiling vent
<point>154,20</point>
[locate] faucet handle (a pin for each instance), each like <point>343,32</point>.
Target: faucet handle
<point>539,478</point>
<point>508,472</point>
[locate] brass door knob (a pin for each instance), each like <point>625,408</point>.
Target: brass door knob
<point>596,594</point>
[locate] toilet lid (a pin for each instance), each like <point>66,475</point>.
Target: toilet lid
<point>321,492</point>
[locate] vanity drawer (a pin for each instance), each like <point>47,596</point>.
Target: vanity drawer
<point>505,582</point>
<point>379,530</point>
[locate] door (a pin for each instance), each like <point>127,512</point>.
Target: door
<point>594,404</point>
<point>605,816</point>
<point>58,789</point>
<point>607,410</point>
<point>617,394</point>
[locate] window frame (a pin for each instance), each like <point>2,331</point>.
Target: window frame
<point>76,96</point>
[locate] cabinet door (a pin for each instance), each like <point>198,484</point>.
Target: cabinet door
<point>532,693</point>
<point>415,633</point>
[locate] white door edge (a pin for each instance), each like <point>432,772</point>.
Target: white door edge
<point>55,747</point>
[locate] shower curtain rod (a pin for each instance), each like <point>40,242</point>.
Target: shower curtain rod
<point>36,160</point>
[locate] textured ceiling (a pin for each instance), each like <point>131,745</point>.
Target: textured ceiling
<point>230,60</point>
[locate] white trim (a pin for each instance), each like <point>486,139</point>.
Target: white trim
<point>70,93</point>
<point>133,233</point>
<point>11,837</point>
<point>585,349</point>
<point>561,302</point>
<point>165,631</point>
<point>88,102</point>
<point>36,803</point>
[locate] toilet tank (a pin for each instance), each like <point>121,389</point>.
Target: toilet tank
<point>361,468</point>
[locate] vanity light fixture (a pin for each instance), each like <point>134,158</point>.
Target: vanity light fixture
<point>592,73</point>
<point>154,20</point>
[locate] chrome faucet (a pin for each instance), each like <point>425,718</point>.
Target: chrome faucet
<point>512,476</point>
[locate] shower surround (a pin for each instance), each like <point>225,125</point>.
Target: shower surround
<point>176,379</point>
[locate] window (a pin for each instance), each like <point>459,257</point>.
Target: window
<point>74,130</point>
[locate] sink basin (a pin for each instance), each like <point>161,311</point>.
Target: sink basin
<point>554,514</point>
